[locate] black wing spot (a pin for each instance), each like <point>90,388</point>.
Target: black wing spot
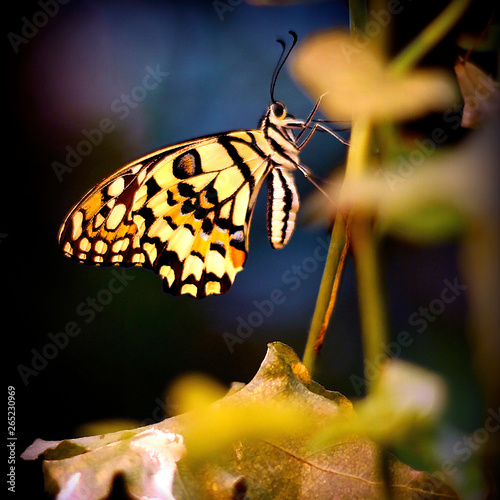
<point>170,199</point>
<point>223,224</point>
<point>152,187</point>
<point>187,165</point>
<point>197,254</point>
<point>170,222</point>
<point>210,194</point>
<point>207,226</point>
<point>188,207</point>
<point>186,190</point>
<point>238,238</point>
<point>218,247</point>
<point>147,214</point>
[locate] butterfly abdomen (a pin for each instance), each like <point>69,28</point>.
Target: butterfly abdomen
<point>282,206</point>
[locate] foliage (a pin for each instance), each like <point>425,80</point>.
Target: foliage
<point>265,439</point>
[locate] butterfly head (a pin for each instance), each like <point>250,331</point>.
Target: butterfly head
<point>277,126</point>
<point>277,121</point>
<point>278,117</point>
<point>278,109</point>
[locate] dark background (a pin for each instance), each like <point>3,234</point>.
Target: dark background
<point>63,81</point>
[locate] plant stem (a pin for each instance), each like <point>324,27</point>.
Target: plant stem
<point>429,37</point>
<point>368,275</point>
<point>357,15</point>
<point>339,243</point>
<point>324,304</point>
<point>335,289</point>
<point>371,303</point>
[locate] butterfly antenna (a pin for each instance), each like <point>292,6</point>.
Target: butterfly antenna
<point>281,61</point>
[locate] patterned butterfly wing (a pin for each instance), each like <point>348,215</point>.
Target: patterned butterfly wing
<point>184,212</point>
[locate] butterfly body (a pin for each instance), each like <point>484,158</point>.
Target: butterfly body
<point>184,212</point>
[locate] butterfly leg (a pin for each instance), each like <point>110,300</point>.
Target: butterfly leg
<point>321,128</point>
<point>309,129</point>
<point>310,118</point>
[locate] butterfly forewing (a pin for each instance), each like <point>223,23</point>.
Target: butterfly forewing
<point>183,212</point>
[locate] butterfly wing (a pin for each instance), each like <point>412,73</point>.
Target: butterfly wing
<point>184,212</point>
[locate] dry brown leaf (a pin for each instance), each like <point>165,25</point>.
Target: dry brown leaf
<point>273,463</point>
<point>480,91</point>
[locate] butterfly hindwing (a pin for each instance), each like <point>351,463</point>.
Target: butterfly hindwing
<point>183,212</point>
<point>100,229</point>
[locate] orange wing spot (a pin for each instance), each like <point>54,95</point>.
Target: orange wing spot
<point>238,257</point>
<point>93,204</point>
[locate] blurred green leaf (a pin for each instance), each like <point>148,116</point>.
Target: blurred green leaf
<point>428,224</point>
<point>450,193</point>
<point>406,400</point>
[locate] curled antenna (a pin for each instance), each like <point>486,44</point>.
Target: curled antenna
<point>281,61</point>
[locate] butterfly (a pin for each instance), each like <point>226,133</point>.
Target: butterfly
<point>184,211</point>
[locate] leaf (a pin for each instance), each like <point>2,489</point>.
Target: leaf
<point>356,81</point>
<point>254,441</point>
<point>86,467</point>
<point>105,426</point>
<point>406,400</point>
<point>441,198</point>
<point>480,92</point>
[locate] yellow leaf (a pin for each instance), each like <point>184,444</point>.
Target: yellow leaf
<point>357,81</point>
<point>194,391</point>
<point>438,198</point>
<point>406,399</point>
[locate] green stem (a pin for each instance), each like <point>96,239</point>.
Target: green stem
<point>371,299</point>
<point>429,37</point>
<point>323,304</point>
<point>368,274</point>
<point>356,162</point>
<point>357,15</point>
<point>338,242</point>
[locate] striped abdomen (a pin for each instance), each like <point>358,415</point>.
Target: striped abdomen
<point>282,206</point>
